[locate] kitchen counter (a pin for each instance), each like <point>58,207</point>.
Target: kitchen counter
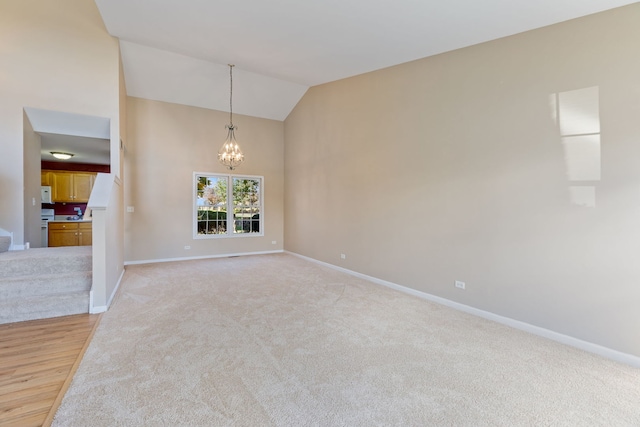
<point>63,218</point>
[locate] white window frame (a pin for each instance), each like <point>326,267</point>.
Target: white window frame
<point>230,216</point>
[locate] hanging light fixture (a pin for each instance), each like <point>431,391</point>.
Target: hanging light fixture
<point>230,153</point>
<point>61,156</point>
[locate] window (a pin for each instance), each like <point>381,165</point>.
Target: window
<point>223,210</point>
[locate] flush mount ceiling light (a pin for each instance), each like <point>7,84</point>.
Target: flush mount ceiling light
<point>61,156</point>
<point>230,153</point>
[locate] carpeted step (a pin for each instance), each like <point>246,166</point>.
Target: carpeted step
<point>40,285</point>
<point>44,282</point>
<point>46,261</point>
<point>42,307</point>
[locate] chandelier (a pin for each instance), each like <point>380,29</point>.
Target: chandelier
<point>230,153</point>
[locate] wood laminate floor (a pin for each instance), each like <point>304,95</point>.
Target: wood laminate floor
<point>37,361</point>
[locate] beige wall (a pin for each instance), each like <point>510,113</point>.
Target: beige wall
<point>56,55</point>
<point>166,144</point>
<point>32,181</point>
<point>122,109</point>
<point>452,168</point>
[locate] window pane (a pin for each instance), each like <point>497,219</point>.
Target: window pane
<point>215,201</point>
<point>246,205</point>
<point>211,203</point>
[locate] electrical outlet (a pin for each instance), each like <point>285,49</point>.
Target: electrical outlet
<point>343,256</point>
<point>273,242</point>
<point>460,285</point>
<point>187,248</point>
<point>130,209</point>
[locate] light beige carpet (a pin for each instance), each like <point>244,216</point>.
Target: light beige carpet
<point>277,340</point>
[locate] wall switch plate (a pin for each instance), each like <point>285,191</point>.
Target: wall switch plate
<point>273,242</point>
<point>460,285</point>
<point>343,256</point>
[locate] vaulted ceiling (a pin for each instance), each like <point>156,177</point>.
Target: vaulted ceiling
<point>178,50</point>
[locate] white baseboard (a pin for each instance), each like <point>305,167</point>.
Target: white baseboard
<point>608,353</point>
<point>115,290</point>
<point>153,261</point>
<point>103,308</point>
<point>97,310</point>
<point>24,247</point>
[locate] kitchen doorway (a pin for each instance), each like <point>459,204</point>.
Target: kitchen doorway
<point>85,141</point>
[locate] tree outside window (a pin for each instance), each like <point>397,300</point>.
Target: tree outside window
<point>215,200</point>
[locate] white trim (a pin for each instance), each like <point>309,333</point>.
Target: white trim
<point>153,261</point>
<point>103,308</point>
<point>606,352</point>
<point>115,290</point>
<point>95,310</point>
<point>227,236</point>
<point>99,309</point>
<point>13,246</point>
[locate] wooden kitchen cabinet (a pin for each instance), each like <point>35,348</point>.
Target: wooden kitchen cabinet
<point>63,234</point>
<point>82,185</point>
<point>70,234</point>
<point>74,187</point>
<point>85,234</point>
<point>45,178</point>
<point>62,186</point>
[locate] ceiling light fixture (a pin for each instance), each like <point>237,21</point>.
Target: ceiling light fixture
<point>61,156</point>
<point>230,153</point>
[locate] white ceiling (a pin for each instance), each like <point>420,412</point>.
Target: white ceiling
<point>178,50</point>
<point>85,150</point>
<point>86,137</point>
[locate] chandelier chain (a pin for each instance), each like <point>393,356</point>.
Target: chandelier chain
<point>231,95</point>
<point>230,153</point>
